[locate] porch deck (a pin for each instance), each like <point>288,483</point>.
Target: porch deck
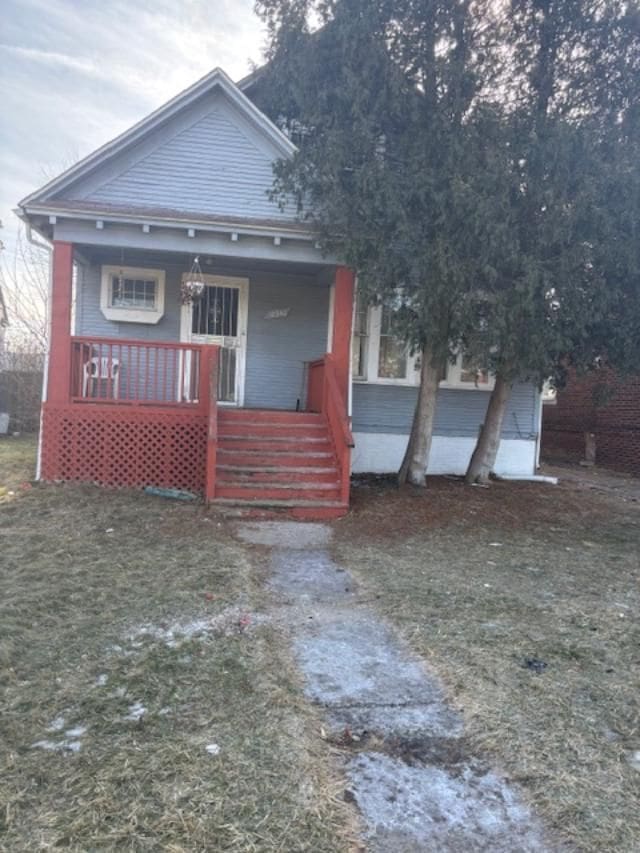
<point>138,413</point>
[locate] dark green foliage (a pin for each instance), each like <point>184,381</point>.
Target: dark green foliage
<point>481,156</point>
<point>383,104</point>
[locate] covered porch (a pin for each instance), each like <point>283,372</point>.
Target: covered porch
<point>133,403</point>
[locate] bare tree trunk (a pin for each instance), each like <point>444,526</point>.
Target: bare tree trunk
<point>484,456</point>
<point>414,464</point>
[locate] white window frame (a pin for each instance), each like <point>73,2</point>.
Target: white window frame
<point>454,378</point>
<point>454,370</point>
<point>372,356</point>
<point>126,314</point>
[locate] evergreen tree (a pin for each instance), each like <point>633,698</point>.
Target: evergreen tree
<point>563,274</point>
<point>476,162</point>
<point>388,104</point>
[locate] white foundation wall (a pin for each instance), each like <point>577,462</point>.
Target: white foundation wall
<point>382,453</point>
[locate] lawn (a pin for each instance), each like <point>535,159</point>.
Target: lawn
<point>525,599</point>
<point>147,702</point>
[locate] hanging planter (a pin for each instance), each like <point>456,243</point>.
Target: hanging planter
<point>193,285</point>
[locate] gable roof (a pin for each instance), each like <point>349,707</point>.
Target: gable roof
<point>216,79</point>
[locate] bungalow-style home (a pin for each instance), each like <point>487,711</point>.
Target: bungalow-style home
<point>200,339</point>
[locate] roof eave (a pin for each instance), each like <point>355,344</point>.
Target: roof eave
<point>209,224</point>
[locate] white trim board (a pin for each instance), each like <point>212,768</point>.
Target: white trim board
<point>382,453</point>
<point>186,335</point>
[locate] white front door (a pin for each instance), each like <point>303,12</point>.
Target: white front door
<point>219,316</point>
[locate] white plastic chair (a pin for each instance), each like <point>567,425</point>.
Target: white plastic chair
<point>97,368</point>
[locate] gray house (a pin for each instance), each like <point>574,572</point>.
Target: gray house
<point>180,269</point>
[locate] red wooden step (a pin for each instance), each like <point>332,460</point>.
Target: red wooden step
<point>272,444</point>
<point>275,474</point>
<point>279,491</point>
<point>280,428</point>
<point>267,416</point>
<point>281,458</point>
<point>296,509</point>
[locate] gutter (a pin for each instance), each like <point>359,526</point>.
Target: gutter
<point>45,373</point>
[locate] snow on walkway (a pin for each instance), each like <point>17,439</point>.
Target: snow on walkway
<point>409,771</point>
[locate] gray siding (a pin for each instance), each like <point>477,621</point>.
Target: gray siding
<point>278,348</point>
<point>389,409</point>
<point>209,160</point>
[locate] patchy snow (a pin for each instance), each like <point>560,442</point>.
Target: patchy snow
<point>136,711</point>
<point>69,742</point>
<point>78,731</point>
<point>46,744</point>
<point>174,635</point>
<point>101,680</point>
<point>213,749</point>
<point>633,759</point>
<point>56,724</point>
<point>58,746</point>
<point>231,621</point>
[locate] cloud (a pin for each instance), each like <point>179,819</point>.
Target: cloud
<point>77,74</point>
<point>49,57</point>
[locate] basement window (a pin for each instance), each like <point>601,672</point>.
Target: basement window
<point>132,294</point>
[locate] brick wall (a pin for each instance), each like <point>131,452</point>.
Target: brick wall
<point>603,405</point>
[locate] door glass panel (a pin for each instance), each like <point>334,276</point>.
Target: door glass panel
<point>215,314</point>
<point>227,376</point>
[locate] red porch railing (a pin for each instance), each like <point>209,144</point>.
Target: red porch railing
<point>133,372</point>
<point>135,413</point>
<point>324,396</point>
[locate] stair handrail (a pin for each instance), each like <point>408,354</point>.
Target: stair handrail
<point>337,400</point>
<point>209,393</point>
<point>334,409</point>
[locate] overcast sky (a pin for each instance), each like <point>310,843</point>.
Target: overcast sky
<point>76,73</point>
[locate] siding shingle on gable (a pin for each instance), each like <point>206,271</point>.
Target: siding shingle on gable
<point>210,160</point>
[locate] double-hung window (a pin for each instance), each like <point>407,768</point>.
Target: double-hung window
<point>393,356</point>
<point>360,339</point>
<point>378,354</point>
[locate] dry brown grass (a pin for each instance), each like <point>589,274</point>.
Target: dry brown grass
<point>17,461</point>
<point>82,570</point>
<point>481,580</point>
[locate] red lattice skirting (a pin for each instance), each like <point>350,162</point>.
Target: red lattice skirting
<point>130,447</point>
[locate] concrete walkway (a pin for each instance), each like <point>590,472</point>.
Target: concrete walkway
<point>407,765</point>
